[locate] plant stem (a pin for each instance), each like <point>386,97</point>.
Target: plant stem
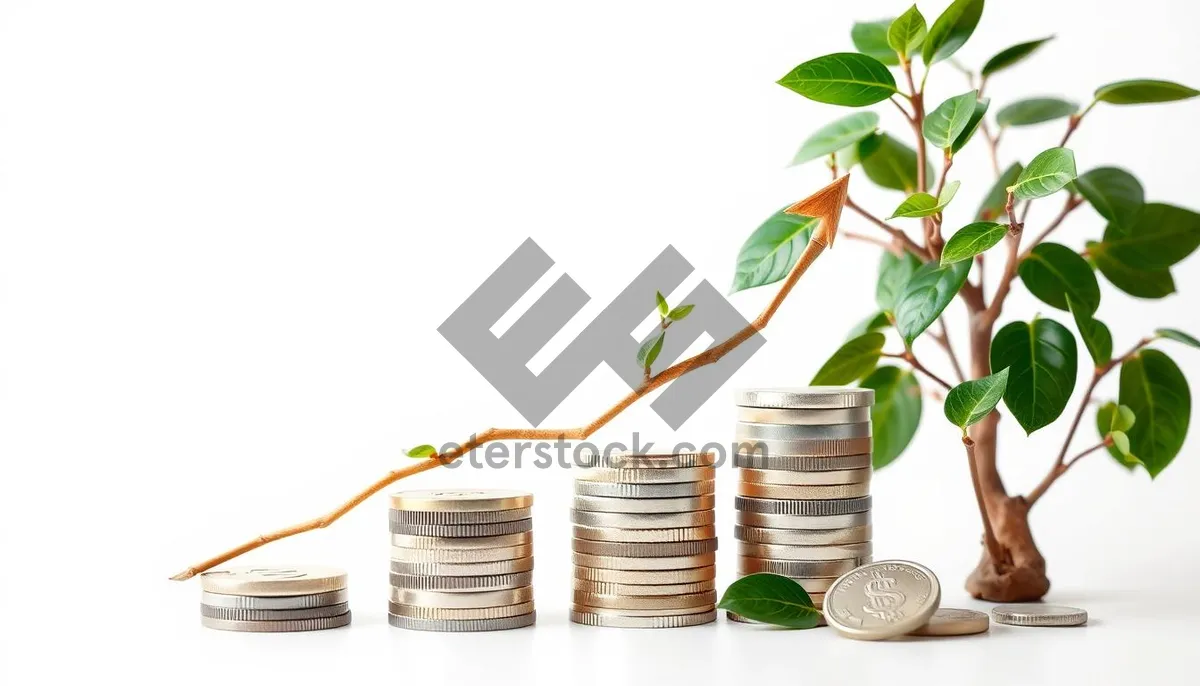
<point>1073,201</point>
<point>890,246</point>
<point>944,341</point>
<point>918,124</point>
<point>1073,123</point>
<point>908,357</point>
<point>1058,470</point>
<point>989,536</point>
<point>934,223</point>
<point>895,233</point>
<point>1013,243</point>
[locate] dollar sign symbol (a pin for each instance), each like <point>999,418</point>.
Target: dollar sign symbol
<point>884,601</point>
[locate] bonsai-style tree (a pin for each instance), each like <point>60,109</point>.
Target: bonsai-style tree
<point>1030,364</point>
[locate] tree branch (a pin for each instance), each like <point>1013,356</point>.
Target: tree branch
<point>908,357</point>
<point>995,552</point>
<point>890,246</point>
<point>894,232</point>
<point>944,340</point>
<point>1013,243</point>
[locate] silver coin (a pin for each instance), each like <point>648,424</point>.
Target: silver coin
<point>283,602</point>
<point>642,590</point>
<point>522,564</point>
<point>624,520</point>
<point>949,621</point>
<point>630,460</point>
<point>273,581</point>
<point>797,568</point>
<point>611,612</point>
<point>462,530</point>
<point>450,543</point>
<point>752,459</point>
<point>278,626</point>
<point>804,447</point>
<point>461,584</point>
<point>449,600</point>
<point>1036,614</point>
<point>501,624</point>
<point>618,490</point>
<point>459,613</point>
<point>460,555</point>
<point>650,577</point>
<point>693,533</point>
<point>462,500</point>
<point>754,534</point>
<point>804,552</point>
<point>760,415</point>
<point>882,600</point>
<point>801,522</point>
<point>788,492</point>
<point>782,477</point>
<point>646,476</point>
<point>810,398</point>
<point>644,505</point>
<point>676,549</point>
<point>733,617</point>
<point>618,621</point>
<point>643,563</point>
<point>454,518</point>
<point>239,615</point>
<point>690,601</point>
<point>806,508</point>
<point>747,431</point>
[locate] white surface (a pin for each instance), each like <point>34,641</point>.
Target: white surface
<point>230,229</point>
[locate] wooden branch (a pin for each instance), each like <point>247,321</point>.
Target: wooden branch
<point>890,246</point>
<point>908,357</point>
<point>1013,243</point>
<point>944,341</point>
<point>894,232</point>
<point>995,552</point>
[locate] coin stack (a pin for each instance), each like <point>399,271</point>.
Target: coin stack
<point>274,599</point>
<point>461,560</point>
<point>645,541</point>
<point>803,503</point>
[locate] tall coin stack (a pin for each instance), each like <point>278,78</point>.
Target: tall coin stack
<point>804,503</point>
<point>461,560</point>
<point>273,599</point>
<point>644,541</point>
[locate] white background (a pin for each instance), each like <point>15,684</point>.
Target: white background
<point>230,230</point>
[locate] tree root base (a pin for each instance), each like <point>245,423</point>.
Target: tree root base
<point>1021,575</point>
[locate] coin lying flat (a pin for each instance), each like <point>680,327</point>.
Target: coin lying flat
<point>782,521</point>
<point>449,600</point>
<point>462,530</point>
<point>623,622</point>
<point>624,520</point>
<point>786,478</point>
<point>455,518</point>
<point>763,415</point>
<point>760,459</point>
<point>804,447</point>
<point>655,602</point>
<point>522,564</point>
<point>489,582</point>
<point>646,476</point>
<point>644,505</point>
<point>285,602</point>
<point>461,556</point>
<point>278,626</point>
<point>806,508</point>
<point>797,568</point>
<point>459,613</point>
<point>241,615</point>
<point>651,577</point>
<point>753,534</point>
<point>805,552</point>
<point>641,590</point>
<point>748,431</point>
<point>787,492</point>
<point>677,549</point>
<point>459,500</point>
<point>643,563</point>
<point>618,490</point>
<point>694,533</point>
<point>452,543</point>
<point>1036,614</point>
<point>630,460</point>
<point>810,398</point>
<point>950,621</point>
<point>273,581</point>
<point>501,624</point>
<point>882,600</point>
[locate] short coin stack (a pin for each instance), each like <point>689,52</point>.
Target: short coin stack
<point>462,560</point>
<point>803,503</point>
<point>645,541</point>
<point>273,599</point>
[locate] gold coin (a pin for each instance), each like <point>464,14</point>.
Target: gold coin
<point>788,478</point>
<point>797,568</point>
<point>460,500</point>
<point>458,613</point>
<point>803,492</point>
<point>643,563</point>
<point>694,533</point>
<point>610,588</point>
<point>658,602</point>
<point>273,581</point>
<point>804,552</point>
<point>461,556</point>
<point>754,534</point>
<point>445,599</point>
<point>660,576</point>
<point>472,543</point>
<point>950,621</point>
<point>646,476</point>
<point>626,622</point>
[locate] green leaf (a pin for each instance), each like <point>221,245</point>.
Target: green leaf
<point>1140,283</point>
<point>852,361</point>
<point>924,204</point>
<point>1042,361</point>
<point>663,308</point>
<point>972,240</point>
<point>1010,56</point>
<point>649,351</point>
<point>1177,336</point>
<point>951,30</point>
<point>1046,174</point>
<point>971,401</point>
<point>680,312</point>
<point>876,322</point>
<point>1108,418</point>
<point>907,33</point>
<point>896,413</point>
<point>422,451</point>
<point>1117,417</point>
<point>894,274</point>
<point>993,205</point>
<point>773,599</point>
<point>770,252</point>
<point>981,108</point>
<point>1142,91</point>
<point>844,78</point>
<point>850,156</point>
<point>925,295</point>
<point>1095,334</point>
<point>1161,236</point>
<point>1035,111</point>
<point>1158,394</point>
<point>871,39</point>
<point>1052,272</point>
<point>837,136</point>
<point>948,120</point>
<point>1121,442</point>
<point>1114,193</point>
<point>891,164</point>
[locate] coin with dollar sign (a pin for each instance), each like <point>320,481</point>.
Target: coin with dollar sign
<point>882,600</point>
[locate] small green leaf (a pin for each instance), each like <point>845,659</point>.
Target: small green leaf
<point>1120,417</point>
<point>770,252</point>
<point>972,240</point>
<point>896,413</point>
<point>837,136</point>
<point>1052,272</point>
<point>971,401</point>
<point>1177,336</point>
<point>871,39</point>
<point>1142,91</point>
<point>1121,442</point>
<point>993,206</point>
<point>1046,174</point>
<point>907,33</point>
<point>1010,56</point>
<point>422,451</point>
<point>924,204</point>
<point>1109,421</point>
<point>891,164</point>
<point>1114,193</point>
<point>876,322</point>
<point>894,274</point>
<point>951,30</point>
<point>680,312</point>
<point>1158,394</point>
<point>926,295</point>
<point>649,351</point>
<point>1035,111</point>
<point>981,108</point>
<point>1095,334</point>
<point>1043,362</point>
<point>948,120</point>
<point>663,308</point>
<point>772,599</point>
<point>852,361</point>
<point>1161,236</point>
<point>844,78</point>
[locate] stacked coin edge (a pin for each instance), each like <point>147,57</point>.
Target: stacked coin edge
<point>274,599</point>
